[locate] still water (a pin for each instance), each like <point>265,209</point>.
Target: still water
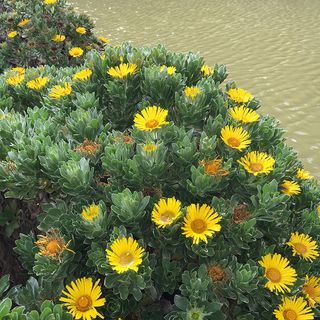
<point>271,48</point>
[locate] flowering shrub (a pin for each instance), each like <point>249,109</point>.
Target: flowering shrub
<point>44,32</point>
<point>163,194</point>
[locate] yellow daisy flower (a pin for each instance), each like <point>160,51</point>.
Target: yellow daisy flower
<point>125,254</point>
<point>150,147</point>
<point>293,309</point>
<point>165,212</point>
<point>82,298</point>
<point>200,223</point>
<point>21,71</point>
<point>192,92</point>
<point>81,30</point>
<point>58,38</point>
<point>206,70</point>
<point>58,92</point>
<point>103,39</point>
<point>278,272</point>
<point>214,168</point>
<point>304,174</point>
<point>257,162</point>
<point>90,213</point>
<point>14,81</point>
<point>150,118</point>
<point>76,52</point>
<point>37,83</point>
<point>12,34</point>
<point>239,95</point>
<point>290,188</point>
<point>304,246</point>
<point>236,138</point>
<point>49,2</point>
<point>311,289</point>
<point>244,115</point>
<point>82,75</point>
<point>123,70</point>
<point>170,70</point>
<point>23,23</point>
<point>52,244</point>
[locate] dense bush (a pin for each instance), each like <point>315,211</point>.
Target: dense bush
<point>42,32</point>
<point>163,196</point>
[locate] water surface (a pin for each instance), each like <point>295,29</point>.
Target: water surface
<point>271,48</point>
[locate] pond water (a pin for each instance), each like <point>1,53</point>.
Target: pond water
<point>271,48</point>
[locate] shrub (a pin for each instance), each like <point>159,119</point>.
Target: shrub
<point>42,32</point>
<point>166,195</point>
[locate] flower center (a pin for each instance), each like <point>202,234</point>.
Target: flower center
<point>256,167</point>
<point>234,142</point>
<point>198,226</point>
<point>126,259</point>
<point>300,248</point>
<point>273,275</point>
<point>166,216</point>
<point>310,291</point>
<point>290,315</point>
<point>53,246</point>
<point>152,123</point>
<point>83,303</point>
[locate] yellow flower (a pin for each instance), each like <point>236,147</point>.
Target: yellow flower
<point>82,298</point>
<point>236,138</point>
<point>244,115</point>
<point>278,272</point>
<point>192,92</point>
<point>170,70</point>
<point>90,213</point>
<point>14,81</point>
<point>318,210</point>
<point>293,309</point>
<point>19,70</point>
<point>37,83</point>
<point>290,188</point>
<point>23,23</point>
<point>304,246</point>
<point>150,147</point>
<point>82,75</point>
<point>165,212</point>
<point>12,34</point>
<point>206,70</point>
<point>214,168</point>
<point>200,223</point>
<point>151,118</point>
<point>58,92</point>
<point>257,162</point>
<point>81,30</point>
<point>303,174</point>
<point>58,38</point>
<point>49,2</point>
<point>239,95</point>
<point>125,254</point>
<point>103,39</point>
<point>75,52</point>
<point>123,70</point>
<point>52,244</point>
<point>311,289</point>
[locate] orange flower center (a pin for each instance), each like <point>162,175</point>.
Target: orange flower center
<point>198,226</point>
<point>83,303</point>
<point>126,259</point>
<point>152,123</point>
<point>256,167</point>
<point>234,142</point>
<point>53,246</point>
<point>166,216</point>
<point>290,315</point>
<point>300,248</point>
<point>310,291</point>
<point>273,275</point>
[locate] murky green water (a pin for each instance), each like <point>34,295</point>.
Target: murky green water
<point>271,48</point>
